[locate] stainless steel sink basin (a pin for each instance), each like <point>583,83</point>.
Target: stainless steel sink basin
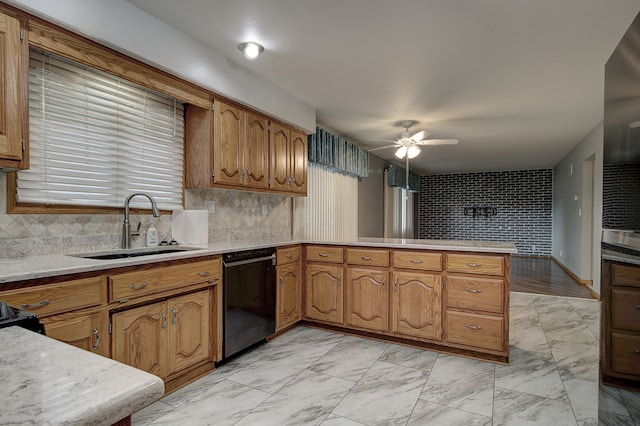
<point>125,253</point>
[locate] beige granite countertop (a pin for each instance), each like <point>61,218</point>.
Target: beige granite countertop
<point>32,267</point>
<point>47,382</point>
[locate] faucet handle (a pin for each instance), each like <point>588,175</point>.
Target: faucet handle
<point>137,231</point>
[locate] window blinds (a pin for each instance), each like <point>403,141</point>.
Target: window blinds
<point>96,138</point>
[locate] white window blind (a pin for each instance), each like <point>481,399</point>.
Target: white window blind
<point>96,138</point>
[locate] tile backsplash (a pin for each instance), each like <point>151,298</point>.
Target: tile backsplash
<point>238,215</point>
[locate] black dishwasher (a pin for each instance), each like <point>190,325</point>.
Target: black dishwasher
<point>249,299</point>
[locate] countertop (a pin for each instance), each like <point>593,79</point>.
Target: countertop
<point>44,381</point>
<point>32,267</point>
<point>620,257</point>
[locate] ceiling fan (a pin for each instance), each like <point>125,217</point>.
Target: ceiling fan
<point>409,145</point>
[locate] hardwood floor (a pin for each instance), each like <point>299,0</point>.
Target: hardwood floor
<point>543,276</point>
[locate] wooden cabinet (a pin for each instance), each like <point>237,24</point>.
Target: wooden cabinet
<point>85,330</point>
<point>240,147</point>
<point>165,337</point>
<point>620,353</point>
<point>324,293</point>
<point>367,298</point>
<point>288,153</point>
<point>416,304</point>
<point>289,286</point>
<point>13,114</point>
<point>327,254</point>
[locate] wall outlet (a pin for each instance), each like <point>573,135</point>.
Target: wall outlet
<point>264,210</point>
<point>560,253</point>
<point>210,206</point>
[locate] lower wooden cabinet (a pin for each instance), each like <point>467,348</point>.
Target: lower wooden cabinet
<point>164,337</point>
<point>324,293</point>
<point>416,305</point>
<point>367,298</point>
<point>289,301</point>
<point>88,331</point>
<point>477,330</point>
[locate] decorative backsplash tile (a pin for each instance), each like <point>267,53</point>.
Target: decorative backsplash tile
<point>238,215</point>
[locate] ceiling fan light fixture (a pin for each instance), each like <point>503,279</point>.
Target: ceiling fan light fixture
<point>401,152</point>
<point>413,151</point>
<point>251,49</point>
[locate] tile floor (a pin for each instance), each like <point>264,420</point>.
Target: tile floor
<point>315,377</point>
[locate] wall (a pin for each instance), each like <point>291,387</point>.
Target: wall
<point>238,215</point>
<point>371,199</point>
<point>128,29</point>
<point>568,224</point>
<point>523,200</point>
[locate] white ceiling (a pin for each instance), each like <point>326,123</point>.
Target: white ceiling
<point>518,82</point>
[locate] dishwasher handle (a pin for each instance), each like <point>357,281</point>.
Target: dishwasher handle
<point>247,261</point>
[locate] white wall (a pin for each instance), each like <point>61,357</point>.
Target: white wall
<point>568,224</point>
<point>371,199</point>
<point>130,30</point>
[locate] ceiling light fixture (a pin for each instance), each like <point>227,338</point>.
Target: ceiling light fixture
<point>251,49</point>
<point>413,151</point>
<point>401,152</point>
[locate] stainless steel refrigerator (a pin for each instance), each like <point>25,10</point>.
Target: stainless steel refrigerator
<point>399,211</point>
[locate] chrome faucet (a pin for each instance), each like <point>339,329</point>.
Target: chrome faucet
<point>126,226</point>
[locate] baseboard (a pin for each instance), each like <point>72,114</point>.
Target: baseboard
<point>588,283</point>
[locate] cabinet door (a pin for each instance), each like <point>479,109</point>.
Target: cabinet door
<point>85,331</point>
<point>367,298</point>
<point>325,297</point>
<point>228,142</point>
<point>256,152</point>
<point>298,164</point>
<point>139,338</point>
<point>279,142</point>
<point>189,325</point>
<point>289,302</point>
<point>416,305</point>
<point>10,89</point>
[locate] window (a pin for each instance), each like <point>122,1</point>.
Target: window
<point>96,138</point>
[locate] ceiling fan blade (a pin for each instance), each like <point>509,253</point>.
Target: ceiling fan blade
<point>419,136</point>
<point>382,140</point>
<point>383,147</point>
<point>438,142</point>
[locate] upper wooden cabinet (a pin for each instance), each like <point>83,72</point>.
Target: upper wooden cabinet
<point>13,57</point>
<point>234,147</point>
<point>288,153</point>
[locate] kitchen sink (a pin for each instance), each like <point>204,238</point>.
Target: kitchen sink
<point>126,253</point>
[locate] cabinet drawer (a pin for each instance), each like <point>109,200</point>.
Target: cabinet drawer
<point>325,254</point>
<point>368,257</point>
<point>56,298</point>
<point>625,353</point>
<point>625,308</point>
<point>417,260</point>
<point>134,284</point>
<point>626,275</point>
<point>475,264</point>
<point>481,331</point>
<point>484,294</point>
<point>288,255</point>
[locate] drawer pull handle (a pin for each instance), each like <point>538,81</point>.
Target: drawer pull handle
<point>205,273</point>
<point>213,280</point>
<point>323,254</point>
<point>365,257</point>
<point>36,305</point>
<point>474,265</point>
<point>395,285</point>
<point>474,327</point>
<point>418,261</point>
<point>289,256</point>
<point>281,281</point>
<point>164,320</point>
<point>473,290</point>
<point>383,287</point>
<point>339,277</point>
<point>96,343</point>
<point>638,307</point>
<point>175,315</point>
<point>138,286</point>
<point>637,352</point>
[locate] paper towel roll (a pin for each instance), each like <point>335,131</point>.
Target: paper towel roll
<point>190,227</point>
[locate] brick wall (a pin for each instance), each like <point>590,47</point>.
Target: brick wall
<point>621,196</point>
<point>523,201</point>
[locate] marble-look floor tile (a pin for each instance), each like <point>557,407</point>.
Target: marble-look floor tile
<point>428,413</point>
<point>385,395</point>
<point>576,360</point>
<point>223,404</point>
<point>611,419</point>
<point>552,305</point>
<point>277,367</point>
<point>461,383</point>
<point>150,413</point>
<point>519,300</point>
<point>533,373</point>
<point>589,311</point>
<point>350,359</point>
<point>529,338</point>
<point>522,409</point>
<point>566,327</point>
<point>318,337</point>
<point>407,356</point>
<point>334,420</point>
<point>610,400</point>
<point>305,400</point>
<point>632,402</point>
<point>583,397</point>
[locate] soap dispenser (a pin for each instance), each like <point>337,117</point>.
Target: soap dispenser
<point>152,236</point>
